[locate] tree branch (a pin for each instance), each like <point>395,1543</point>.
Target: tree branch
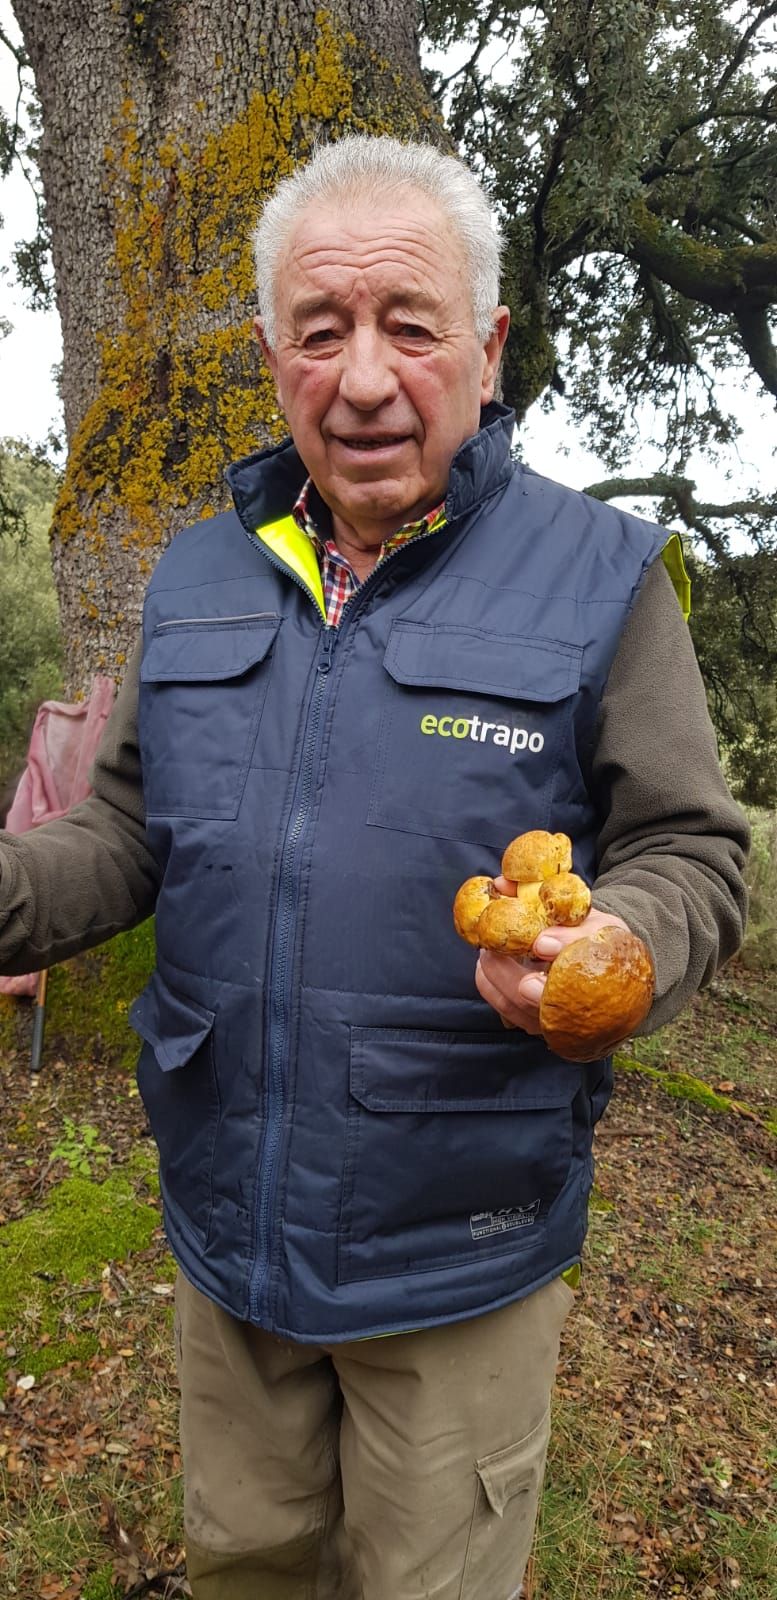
<point>730,219</point>
<point>669,344</point>
<point>723,279</point>
<point>484,33</point>
<point>562,254</point>
<point>742,48</point>
<point>473,78</point>
<point>566,127</point>
<point>711,110</point>
<point>682,491</point>
<point>693,169</point>
<point>12,152</point>
<point>17,50</point>
<point>538,209</point>
<point>757,342</point>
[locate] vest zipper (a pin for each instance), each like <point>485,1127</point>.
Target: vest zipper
<point>281,967</point>
<point>284,927</point>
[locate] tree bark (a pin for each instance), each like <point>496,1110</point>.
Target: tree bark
<point>165,124</point>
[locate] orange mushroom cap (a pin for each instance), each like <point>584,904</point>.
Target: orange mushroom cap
<point>597,992</point>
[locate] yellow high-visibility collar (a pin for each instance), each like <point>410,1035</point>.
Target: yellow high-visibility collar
<point>672,557</point>
<point>293,547</point>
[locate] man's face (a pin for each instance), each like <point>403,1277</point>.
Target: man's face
<point>376,362</point>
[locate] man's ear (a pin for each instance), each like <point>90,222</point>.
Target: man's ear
<point>269,355</point>
<point>492,353</point>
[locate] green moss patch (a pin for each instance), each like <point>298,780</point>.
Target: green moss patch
<point>143,1164</point>
<point>684,1086</point>
<point>87,1003</point>
<point>101,1586</point>
<point>89,998</point>
<point>54,1250</point>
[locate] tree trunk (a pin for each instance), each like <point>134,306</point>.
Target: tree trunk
<point>165,123</point>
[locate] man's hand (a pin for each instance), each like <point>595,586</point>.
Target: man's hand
<point>514,988</point>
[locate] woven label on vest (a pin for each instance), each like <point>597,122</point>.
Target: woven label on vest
<point>484,1223</point>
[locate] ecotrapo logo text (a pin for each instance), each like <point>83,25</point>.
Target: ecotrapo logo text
<point>512,739</point>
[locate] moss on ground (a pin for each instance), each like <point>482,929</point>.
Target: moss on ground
<point>684,1086</point>
<point>101,1586</point>
<point>59,1246</point>
<point>143,1166</point>
<point>88,1001</point>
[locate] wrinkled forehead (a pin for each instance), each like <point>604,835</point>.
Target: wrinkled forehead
<point>397,239</point>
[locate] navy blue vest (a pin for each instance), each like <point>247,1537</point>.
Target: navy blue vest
<point>350,1142</point>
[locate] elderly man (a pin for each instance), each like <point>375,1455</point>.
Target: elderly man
<point>375,1192</point>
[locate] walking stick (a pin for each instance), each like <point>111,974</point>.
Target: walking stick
<point>38,1022</point>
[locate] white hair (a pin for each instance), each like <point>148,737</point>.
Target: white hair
<point>360,166</point>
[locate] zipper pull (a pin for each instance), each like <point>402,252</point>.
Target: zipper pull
<point>325,659</point>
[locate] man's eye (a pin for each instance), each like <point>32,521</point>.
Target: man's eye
<point>413,330</point>
<point>319,336</point>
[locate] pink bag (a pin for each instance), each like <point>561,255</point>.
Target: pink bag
<point>62,747</point>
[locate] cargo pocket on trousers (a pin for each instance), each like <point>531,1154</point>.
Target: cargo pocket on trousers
<point>506,1498</point>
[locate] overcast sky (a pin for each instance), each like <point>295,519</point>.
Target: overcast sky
<point>29,405</point>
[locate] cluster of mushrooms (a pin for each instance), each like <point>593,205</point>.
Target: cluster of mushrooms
<point>598,988</point>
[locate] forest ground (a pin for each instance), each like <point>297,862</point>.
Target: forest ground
<point>662,1477</point>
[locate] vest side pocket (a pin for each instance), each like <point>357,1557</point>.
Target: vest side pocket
<point>456,1149</point>
<point>179,1088</point>
<point>203,685</point>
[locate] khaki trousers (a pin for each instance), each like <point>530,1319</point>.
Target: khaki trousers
<point>403,1468</point>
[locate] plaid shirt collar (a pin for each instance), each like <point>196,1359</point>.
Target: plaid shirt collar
<point>337,575</point>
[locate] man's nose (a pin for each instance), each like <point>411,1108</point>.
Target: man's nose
<point>368,376</point>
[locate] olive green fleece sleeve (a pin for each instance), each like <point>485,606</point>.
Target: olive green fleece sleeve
<point>73,883</point>
<point>672,842</point>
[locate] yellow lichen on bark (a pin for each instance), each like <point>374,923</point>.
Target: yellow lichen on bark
<point>178,399</point>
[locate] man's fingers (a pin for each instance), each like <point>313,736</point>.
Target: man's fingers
<point>548,944</point>
<point>513,988</point>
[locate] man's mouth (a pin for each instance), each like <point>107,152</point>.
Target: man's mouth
<point>375,442</point>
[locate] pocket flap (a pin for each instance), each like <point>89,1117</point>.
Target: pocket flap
<point>488,663</point>
<point>191,651</point>
<point>174,1025</point>
<point>515,1470</point>
<point>404,1069</point>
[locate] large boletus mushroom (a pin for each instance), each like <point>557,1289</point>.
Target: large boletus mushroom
<point>597,992</point>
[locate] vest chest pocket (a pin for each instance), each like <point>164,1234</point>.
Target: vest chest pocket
<point>474,728</point>
<point>203,685</point>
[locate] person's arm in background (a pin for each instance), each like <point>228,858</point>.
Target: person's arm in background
<point>672,842</point>
<point>73,883</point>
